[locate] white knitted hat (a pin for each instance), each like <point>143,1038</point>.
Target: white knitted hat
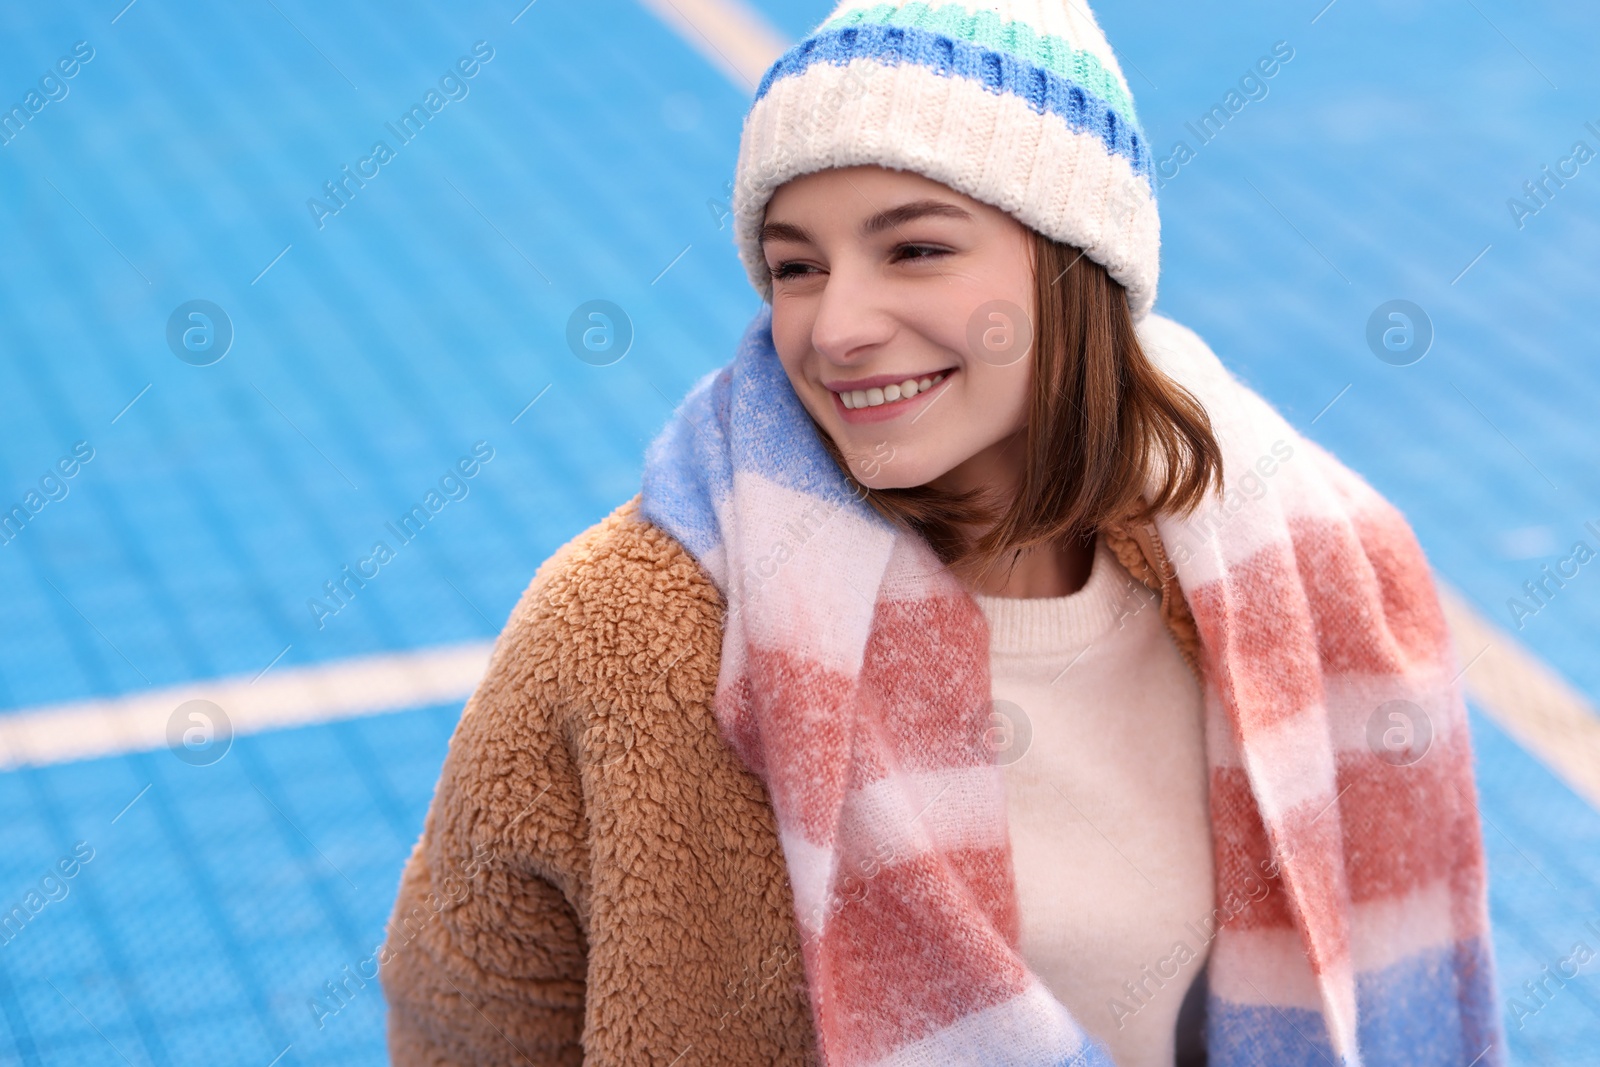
<point>1016,103</point>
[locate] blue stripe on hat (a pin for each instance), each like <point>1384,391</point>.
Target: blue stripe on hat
<point>999,72</point>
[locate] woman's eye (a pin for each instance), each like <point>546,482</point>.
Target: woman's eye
<point>927,250</point>
<point>786,270</point>
<point>795,270</point>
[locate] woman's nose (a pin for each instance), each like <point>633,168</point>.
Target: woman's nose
<point>851,318</point>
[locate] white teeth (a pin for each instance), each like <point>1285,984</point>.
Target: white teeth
<point>871,398</point>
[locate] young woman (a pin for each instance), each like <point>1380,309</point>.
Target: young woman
<point>983,674</point>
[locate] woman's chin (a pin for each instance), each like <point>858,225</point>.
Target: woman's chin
<point>884,470</point>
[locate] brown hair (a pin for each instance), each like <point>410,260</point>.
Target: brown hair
<point>1103,422</point>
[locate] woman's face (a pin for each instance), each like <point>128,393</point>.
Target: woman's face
<point>884,276</point>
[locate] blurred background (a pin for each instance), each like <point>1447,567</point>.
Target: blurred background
<point>241,346</point>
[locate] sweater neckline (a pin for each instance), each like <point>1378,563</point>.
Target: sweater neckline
<point>1054,624</point>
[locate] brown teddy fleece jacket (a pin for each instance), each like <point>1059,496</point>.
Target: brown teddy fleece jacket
<point>599,879</point>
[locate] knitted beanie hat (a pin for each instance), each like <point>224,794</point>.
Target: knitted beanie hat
<point>1016,103</point>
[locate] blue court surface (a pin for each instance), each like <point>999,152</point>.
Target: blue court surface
<point>380,338</point>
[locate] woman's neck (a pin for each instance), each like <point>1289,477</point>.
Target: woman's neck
<point>1040,571</point>
<point>1037,571</point>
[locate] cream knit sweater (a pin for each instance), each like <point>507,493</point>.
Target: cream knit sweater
<point>1099,728</point>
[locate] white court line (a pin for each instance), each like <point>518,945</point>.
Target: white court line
<point>729,34</point>
<point>1545,714</point>
<point>1533,703</point>
<point>138,722</point>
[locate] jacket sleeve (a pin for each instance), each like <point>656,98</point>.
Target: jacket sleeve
<point>486,953</point>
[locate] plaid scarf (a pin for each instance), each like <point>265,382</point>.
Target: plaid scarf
<point>1352,922</point>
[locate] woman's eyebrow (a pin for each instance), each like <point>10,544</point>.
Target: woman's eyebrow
<point>883,220</point>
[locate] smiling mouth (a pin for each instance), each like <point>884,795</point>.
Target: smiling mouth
<point>876,397</point>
